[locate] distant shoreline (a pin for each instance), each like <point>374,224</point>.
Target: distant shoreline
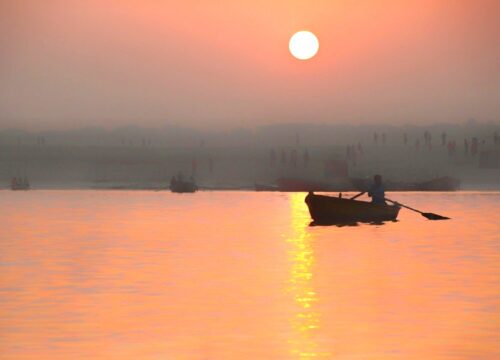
<point>240,168</point>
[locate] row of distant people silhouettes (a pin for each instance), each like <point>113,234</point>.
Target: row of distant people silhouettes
<point>427,139</point>
<point>284,158</point>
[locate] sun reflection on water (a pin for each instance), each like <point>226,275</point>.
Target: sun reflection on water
<point>306,320</point>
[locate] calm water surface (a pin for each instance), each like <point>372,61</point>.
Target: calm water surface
<point>235,275</point>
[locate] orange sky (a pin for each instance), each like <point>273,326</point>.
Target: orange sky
<point>226,63</point>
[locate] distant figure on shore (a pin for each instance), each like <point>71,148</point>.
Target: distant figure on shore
<point>405,139</point>
<point>428,140</point>
<point>360,148</point>
<point>210,165</point>
<point>293,158</point>
<point>375,138</point>
<point>496,139</point>
<point>194,166</point>
<point>377,192</point>
<point>451,148</point>
<point>272,157</point>
<point>384,138</point>
<point>466,147</point>
<point>443,138</point>
<point>306,158</point>
<point>474,146</point>
<point>417,145</point>
<point>283,156</point>
<point>352,154</point>
<point>355,152</point>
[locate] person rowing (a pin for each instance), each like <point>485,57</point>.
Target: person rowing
<point>377,191</point>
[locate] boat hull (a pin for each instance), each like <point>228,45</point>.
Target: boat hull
<point>18,188</point>
<point>328,209</point>
<point>183,187</point>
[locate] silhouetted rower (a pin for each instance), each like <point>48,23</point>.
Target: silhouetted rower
<point>377,191</point>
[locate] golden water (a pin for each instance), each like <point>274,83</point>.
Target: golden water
<point>237,275</point>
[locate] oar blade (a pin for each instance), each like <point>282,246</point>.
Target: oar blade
<point>432,216</point>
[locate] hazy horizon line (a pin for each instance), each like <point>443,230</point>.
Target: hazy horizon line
<point>238,127</point>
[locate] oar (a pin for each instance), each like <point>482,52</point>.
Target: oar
<point>358,195</point>
<point>429,216</point>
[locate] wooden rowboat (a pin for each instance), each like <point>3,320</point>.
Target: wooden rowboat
<point>332,210</point>
<point>183,187</point>
<point>20,187</point>
<point>19,184</point>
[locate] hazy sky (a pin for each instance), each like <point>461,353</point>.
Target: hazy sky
<point>202,63</point>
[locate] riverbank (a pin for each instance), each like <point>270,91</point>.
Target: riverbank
<point>237,168</point>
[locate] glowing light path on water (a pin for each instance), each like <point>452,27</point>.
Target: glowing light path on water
<point>306,321</point>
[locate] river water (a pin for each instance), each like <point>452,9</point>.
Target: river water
<point>242,275</point>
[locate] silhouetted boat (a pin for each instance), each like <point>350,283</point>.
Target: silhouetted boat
<point>334,210</point>
<point>19,184</point>
<point>20,187</point>
<point>183,187</point>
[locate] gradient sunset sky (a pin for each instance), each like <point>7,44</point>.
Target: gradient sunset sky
<point>225,63</point>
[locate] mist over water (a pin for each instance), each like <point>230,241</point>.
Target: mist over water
<point>147,158</point>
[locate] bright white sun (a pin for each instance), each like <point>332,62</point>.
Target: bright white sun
<point>304,45</point>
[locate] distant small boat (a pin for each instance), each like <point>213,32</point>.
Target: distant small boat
<point>19,184</point>
<point>183,187</point>
<point>20,187</point>
<point>332,210</point>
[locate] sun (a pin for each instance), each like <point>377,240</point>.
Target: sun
<point>304,45</point>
